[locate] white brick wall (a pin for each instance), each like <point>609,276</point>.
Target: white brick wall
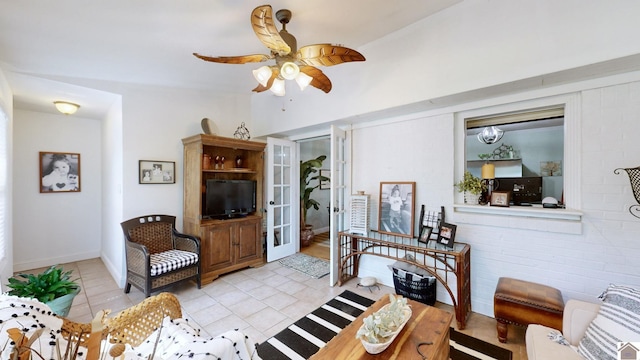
<point>581,266</point>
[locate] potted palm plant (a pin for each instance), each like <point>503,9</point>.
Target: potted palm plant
<point>54,287</point>
<point>308,171</point>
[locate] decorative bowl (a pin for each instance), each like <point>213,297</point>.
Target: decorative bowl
<point>377,348</point>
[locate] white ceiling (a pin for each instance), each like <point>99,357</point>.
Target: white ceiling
<point>151,42</point>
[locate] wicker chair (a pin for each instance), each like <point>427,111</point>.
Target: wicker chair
<point>157,255</point>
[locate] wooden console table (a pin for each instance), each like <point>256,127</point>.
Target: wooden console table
<point>427,324</point>
<point>439,260</point>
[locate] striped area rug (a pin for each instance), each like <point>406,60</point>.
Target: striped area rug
<point>465,347</point>
<point>307,335</point>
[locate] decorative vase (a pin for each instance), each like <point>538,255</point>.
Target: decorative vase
<point>306,235</point>
<point>470,198</point>
<point>377,348</point>
<point>62,304</point>
<point>206,161</point>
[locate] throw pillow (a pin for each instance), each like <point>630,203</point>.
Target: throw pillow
<point>617,321</point>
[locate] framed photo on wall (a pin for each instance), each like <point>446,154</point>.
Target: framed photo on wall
<point>396,211</point>
<point>59,172</point>
<point>447,234</point>
<point>156,172</point>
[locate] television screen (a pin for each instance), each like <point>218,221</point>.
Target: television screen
<point>524,190</point>
<point>229,198</point>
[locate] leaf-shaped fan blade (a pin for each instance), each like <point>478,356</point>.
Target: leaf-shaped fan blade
<point>327,55</point>
<point>234,59</point>
<point>261,88</point>
<point>320,80</point>
<point>265,29</point>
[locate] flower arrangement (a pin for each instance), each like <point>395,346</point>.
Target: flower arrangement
<point>383,324</point>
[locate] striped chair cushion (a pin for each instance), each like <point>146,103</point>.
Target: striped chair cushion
<point>170,260</point>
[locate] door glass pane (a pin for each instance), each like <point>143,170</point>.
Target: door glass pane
<point>277,216</point>
<point>277,175</point>
<point>285,155</point>
<point>286,191</point>
<point>277,195</point>
<point>286,237</point>
<point>286,213</point>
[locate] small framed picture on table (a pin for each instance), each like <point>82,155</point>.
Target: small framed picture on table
<point>447,234</point>
<point>425,234</point>
<point>500,198</point>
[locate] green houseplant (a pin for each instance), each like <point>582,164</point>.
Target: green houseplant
<point>53,287</point>
<point>471,185</point>
<point>309,172</point>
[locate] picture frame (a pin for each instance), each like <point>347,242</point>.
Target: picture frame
<point>156,172</point>
<point>59,172</point>
<point>500,198</point>
<point>325,184</point>
<point>396,208</point>
<point>447,234</point>
<point>425,234</point>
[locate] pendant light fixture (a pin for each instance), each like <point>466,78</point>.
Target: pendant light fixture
<point>490,135</point>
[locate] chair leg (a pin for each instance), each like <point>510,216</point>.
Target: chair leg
<point>127,288</point>
<point>199,282</point>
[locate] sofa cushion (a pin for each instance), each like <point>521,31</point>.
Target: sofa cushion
<point>618,320</point>
<point>540,347</point>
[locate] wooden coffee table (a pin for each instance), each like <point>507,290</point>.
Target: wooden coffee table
<point>427,324</point>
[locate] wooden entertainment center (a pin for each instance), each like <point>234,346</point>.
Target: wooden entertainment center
<point>229,244</point>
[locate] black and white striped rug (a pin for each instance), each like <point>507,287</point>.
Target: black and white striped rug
<point>307,335</point>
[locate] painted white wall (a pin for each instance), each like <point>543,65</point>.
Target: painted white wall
<point>471,45</point>
<point>6,106</point>
<point>68,224</point>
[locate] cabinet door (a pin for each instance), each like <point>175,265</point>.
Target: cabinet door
<point>249,245</point>
<point>217,249</point>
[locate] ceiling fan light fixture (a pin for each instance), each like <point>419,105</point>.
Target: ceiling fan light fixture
<point>66,107</point>
<point>490,135</point>
<point>289,70</point>
<point>277,87</point>
<point>303,80</point>
<point>262,75</point>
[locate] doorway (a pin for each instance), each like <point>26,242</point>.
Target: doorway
<point>319,219</point>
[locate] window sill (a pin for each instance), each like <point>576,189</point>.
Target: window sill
<point>568,221</point>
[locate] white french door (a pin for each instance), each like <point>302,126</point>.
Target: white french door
<point>339,177</point>
<point>283,204</point>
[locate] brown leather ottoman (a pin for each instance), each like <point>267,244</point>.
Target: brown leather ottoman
<point>522,303</point>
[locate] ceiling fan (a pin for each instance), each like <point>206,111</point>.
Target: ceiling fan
<point>291,63</point>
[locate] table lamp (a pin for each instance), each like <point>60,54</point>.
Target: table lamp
<point>488,177</point>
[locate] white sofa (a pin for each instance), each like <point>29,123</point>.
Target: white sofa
<point>576,318</point>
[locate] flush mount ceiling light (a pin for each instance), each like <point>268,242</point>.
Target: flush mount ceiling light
<point>291,63</point>
<point>490,135</point>
<point>66,107</point>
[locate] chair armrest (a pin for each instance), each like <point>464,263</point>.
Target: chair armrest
<point>138,258</point>
<point>186,242</point>
<point>576,318</point>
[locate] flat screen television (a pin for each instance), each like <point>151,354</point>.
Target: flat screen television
<point>524,190</point>
<point>229,198</point>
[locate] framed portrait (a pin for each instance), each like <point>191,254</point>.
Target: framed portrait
<point>396,208</point>
<point>156,172</point>
<point>425,234</point>
<point>325,178</point>
<point>500,198</point>
<point>447,234</point>
<point>59,172</point>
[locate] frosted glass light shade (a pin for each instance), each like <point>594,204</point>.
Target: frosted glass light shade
<point>262,75</point>
<point>289,70</point>
<point>303,80</point>
<point>66,107</point>
<point>277,87</point>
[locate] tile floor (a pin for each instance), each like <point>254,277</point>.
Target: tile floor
<point>260,301</point>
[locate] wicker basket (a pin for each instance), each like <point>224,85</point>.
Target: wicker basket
<point>422,290</point>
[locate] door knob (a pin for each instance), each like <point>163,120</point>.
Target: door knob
<point>271,202</point>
